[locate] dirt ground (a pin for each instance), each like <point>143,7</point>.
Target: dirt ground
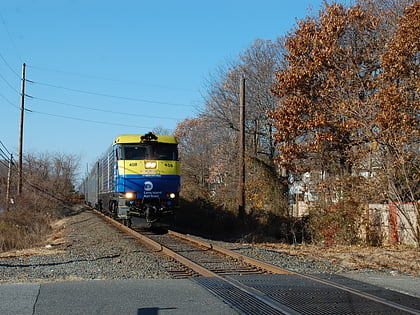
<point>395,259</point>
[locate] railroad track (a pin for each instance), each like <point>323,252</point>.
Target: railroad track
<point>223,272</point>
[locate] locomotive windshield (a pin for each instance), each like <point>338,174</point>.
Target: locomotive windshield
<point>134,152</point>
<point>152,151</point>
<point>165,151</point>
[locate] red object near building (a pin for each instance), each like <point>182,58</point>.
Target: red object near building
<point>393,223</point>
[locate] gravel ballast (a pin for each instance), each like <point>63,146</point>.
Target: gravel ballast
<point>87,248</point>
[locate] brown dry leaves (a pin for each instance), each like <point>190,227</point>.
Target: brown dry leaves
<point>392,258</point>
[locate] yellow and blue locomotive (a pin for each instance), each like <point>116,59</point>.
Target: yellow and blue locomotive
<point>139,175</point>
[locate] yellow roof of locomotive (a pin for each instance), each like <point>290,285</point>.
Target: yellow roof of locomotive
<point>137,139</point>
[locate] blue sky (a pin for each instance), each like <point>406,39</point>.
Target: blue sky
<point>103,68</point>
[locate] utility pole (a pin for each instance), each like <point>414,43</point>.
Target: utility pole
<point>9,179</point>
<point>241,186</point>
<point>22,111</point>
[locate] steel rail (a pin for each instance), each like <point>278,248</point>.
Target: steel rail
<point>278,270</point>
<point>242,258</point>
<point>362,294</point>
<point>158,247</point>
<point>255,293</point>
<point>197,268</point>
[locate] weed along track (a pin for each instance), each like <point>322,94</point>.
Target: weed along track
<point>255,287</point>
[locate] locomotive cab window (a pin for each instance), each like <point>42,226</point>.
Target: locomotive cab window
<point>134,152</point>
<point>165,151</point>
<point>155,151</point>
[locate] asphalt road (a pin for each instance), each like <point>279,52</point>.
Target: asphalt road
<point>403,284</point>
<point>135,297</point>
<point>146,296</point>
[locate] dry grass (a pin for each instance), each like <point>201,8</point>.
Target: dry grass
<point>46,246</point>
<point>400,258</point>
<point>28,222</point>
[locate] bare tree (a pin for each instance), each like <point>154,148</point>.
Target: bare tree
<point>47,191</point>
<point>196,144</point>
<point>265,189</point>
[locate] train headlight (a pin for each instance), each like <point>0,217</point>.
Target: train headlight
<point>130,195</point>
<point>172,195</point>
<point>150,165</point>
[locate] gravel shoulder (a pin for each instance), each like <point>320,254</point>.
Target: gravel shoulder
<point>82,247</point>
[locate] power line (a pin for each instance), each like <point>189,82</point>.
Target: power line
<point>8,101</point>
<point>5,165</point>
<point>44,191</point>
<point>109,95</point>
<point>7,157</point>
<point>88,120</point>
<point>10,38</point>
<point>7,64</point>
<point>102,110</point>
<point>111,79</point>
<point>2,144</point>
<point>3,154</point>
<point>7,82</point>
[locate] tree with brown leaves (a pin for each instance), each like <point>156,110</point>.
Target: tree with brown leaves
<point>398,118</point>
<point>328,117</point>
<point>322,113</point>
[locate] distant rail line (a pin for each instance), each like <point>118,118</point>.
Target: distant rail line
<point>218,269</point>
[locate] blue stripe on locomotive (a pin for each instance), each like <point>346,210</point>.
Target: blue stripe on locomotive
<point>148,186</point>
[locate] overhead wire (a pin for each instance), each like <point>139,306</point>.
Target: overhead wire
<point>3,154</point>
<point>7,156</point>
<point>82,106</point>
<point>5,161</point>
<point>11,86</point>
<point>13,165</point>
<point>8,101</point>
<point>89,120</point>
<point>4,147</point>
<point>132,99</point>
<point>97,109</point>
<point>5,165</point>
<point>44,191</point>
<point>166,87</point>
<point>7,64</point>
<point>102,110</point>
<point>10,37</point>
